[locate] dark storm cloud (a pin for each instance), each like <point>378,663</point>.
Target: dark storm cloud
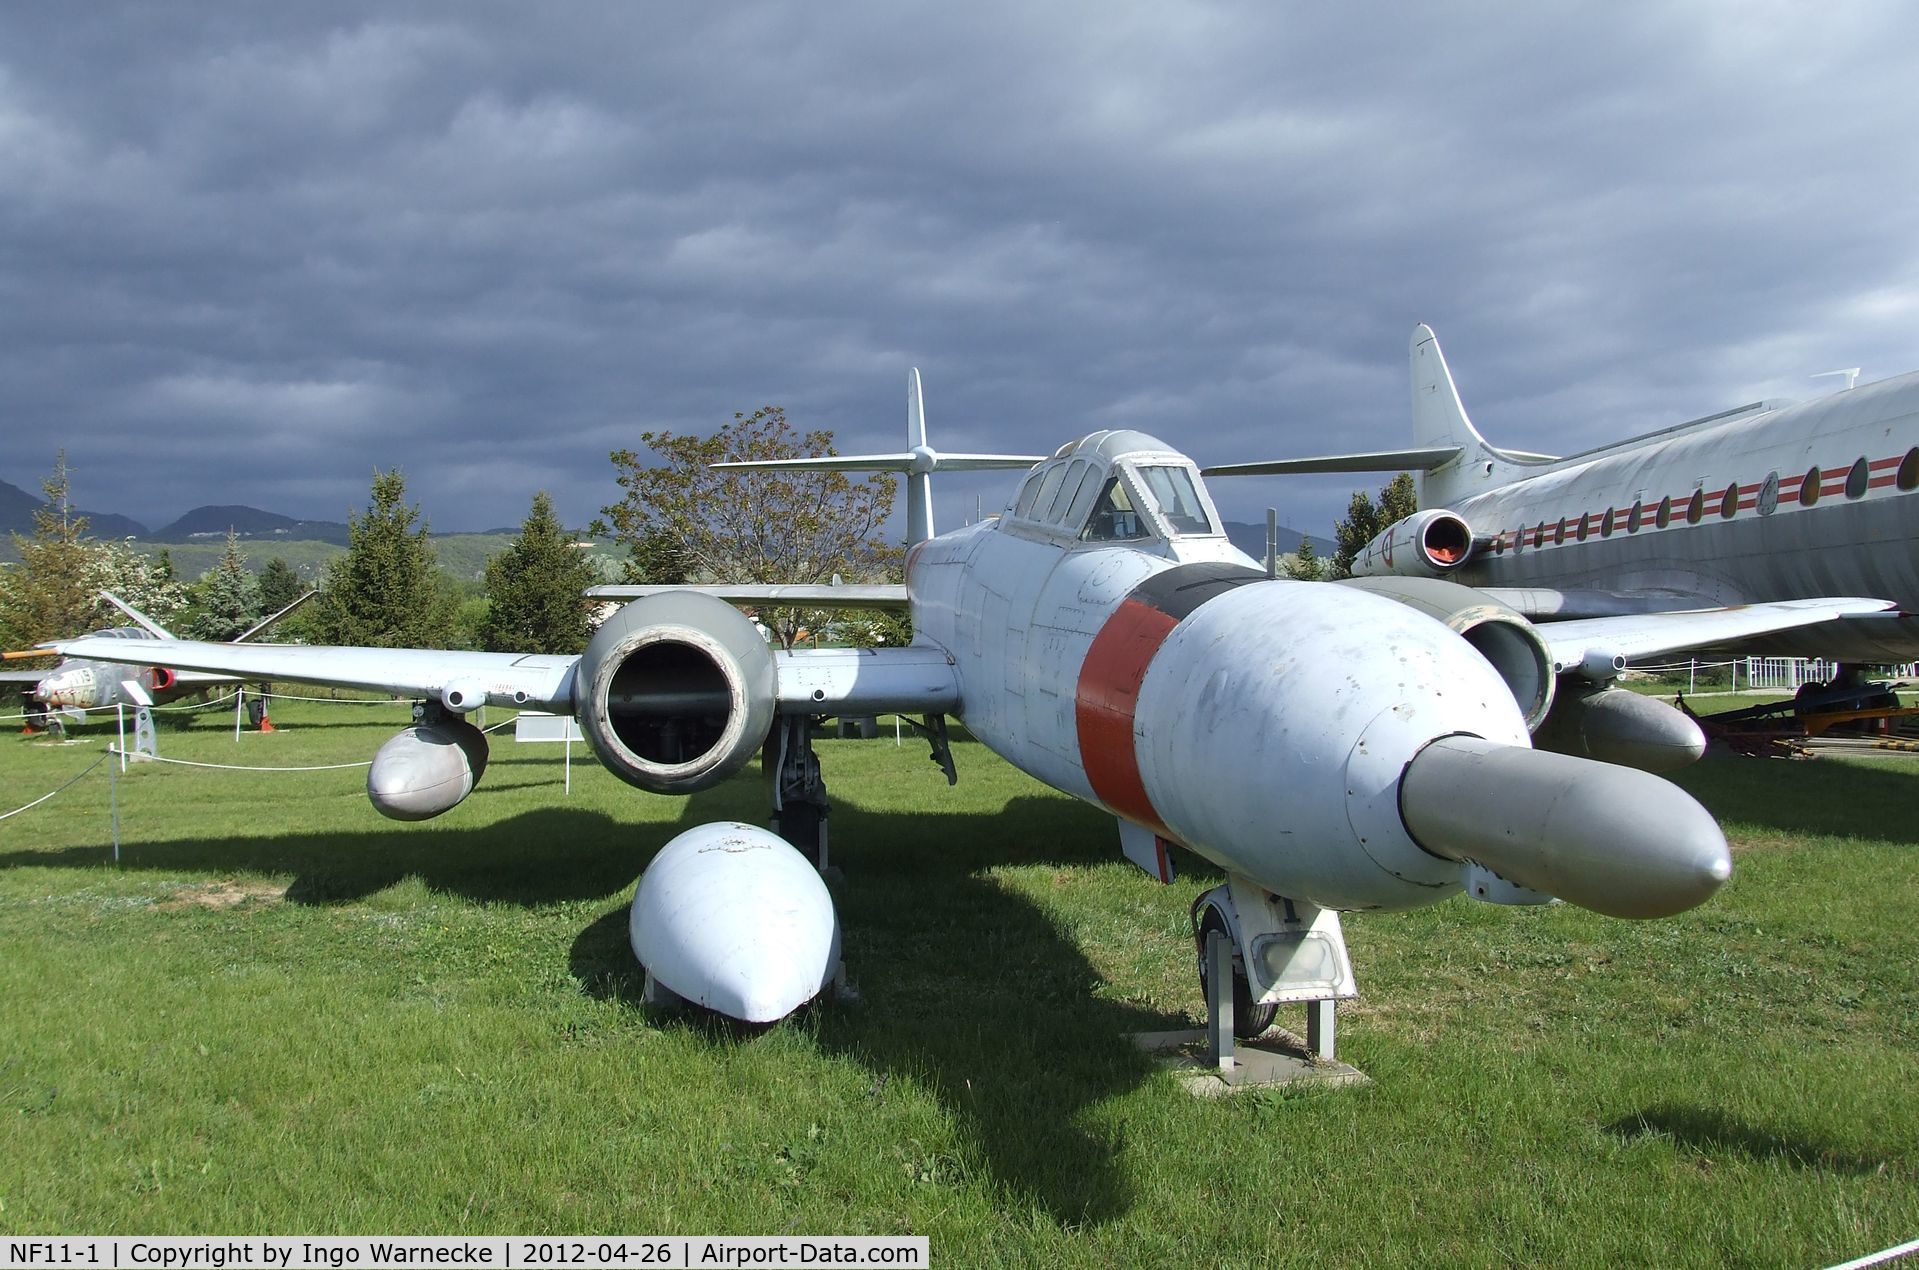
<point>248,254</point>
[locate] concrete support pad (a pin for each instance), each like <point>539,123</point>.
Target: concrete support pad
<point>1275,1059</point>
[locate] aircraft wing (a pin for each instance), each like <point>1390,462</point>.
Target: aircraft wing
<point>538,682</point>
<point>1636,636</point>
<point>24,676</point>
<point>851,595</point>
<point>912,680</point>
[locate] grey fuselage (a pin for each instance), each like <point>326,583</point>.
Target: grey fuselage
<point>1721,512</point>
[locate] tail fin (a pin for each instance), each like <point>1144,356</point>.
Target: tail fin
<point>919,461</point>
<point>271,618</point>
<point>151,627</point>
<point>1440,422</point>
<point>919,485</point>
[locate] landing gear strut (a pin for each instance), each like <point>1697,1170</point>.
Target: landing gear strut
<point>799,790</point>
<point>1278,951</point>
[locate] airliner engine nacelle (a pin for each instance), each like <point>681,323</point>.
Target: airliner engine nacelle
<point>1428,544</point>
<point>676,692</point>
<point>1498,633</point>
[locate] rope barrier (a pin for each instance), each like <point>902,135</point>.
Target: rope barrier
<point>339,701</point>
<point>233,767</point>
<point>36,802</point>
<point>194,708</point>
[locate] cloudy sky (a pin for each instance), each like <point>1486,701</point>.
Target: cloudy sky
<point>250,253</point>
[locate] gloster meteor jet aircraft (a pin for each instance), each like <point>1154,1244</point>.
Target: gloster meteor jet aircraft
<point>1765,502</point>
<point>1331,746</point>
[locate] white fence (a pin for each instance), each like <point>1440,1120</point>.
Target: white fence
<point>1783,674</point>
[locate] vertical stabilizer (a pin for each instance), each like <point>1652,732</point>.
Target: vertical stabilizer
<point>1440,420</point>
<point>919,484</point>
<point>151,627</point>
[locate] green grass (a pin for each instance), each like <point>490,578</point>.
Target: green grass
<point>281,1013</point>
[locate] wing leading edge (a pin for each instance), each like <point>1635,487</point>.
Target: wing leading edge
<point>912,680</point>
<point>1578,641</point>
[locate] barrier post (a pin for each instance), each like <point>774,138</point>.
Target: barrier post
<point>113,802</point>
<point>120,726</point>
<point>239,710</point>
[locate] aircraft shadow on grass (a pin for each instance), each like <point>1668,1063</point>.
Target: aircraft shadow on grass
<point>1823,797</point>
<point>1713,1132</point>
<point>969,988</point>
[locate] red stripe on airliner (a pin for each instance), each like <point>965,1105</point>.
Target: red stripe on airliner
<point>1107,696</point>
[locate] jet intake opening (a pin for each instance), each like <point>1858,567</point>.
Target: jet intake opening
<point>669,703</point>
<point>1519,656</point>
<point>1447,540</point>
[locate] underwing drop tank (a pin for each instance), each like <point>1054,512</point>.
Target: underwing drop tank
<point>426,769</point>
<point>730,917</point>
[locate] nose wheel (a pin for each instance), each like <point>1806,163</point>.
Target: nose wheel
<point>1249,1020</point>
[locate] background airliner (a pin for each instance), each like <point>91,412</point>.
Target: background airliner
<point>1766,502</point>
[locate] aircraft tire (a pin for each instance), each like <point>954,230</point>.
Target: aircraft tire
<point>1249,1020</point>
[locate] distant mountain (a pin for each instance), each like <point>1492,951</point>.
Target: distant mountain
<point>249,524</point>
<point>17,508</point>
<point>1251,539</point>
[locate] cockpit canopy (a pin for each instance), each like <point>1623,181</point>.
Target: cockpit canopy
<point>1116,486</point>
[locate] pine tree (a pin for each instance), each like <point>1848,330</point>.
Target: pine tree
<point>229,596</point>
<point>50,595</point>
<point>536,589</point>
<point>384,592</point>
<point>279,586</point>
<point>1305,565</point>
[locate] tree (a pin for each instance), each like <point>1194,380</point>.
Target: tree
<point>51,594</point>
<point>384,591</point>
<point>536,589</point>
<point>138,579</point>
<point>1305,565</point>
<point>1364,521</point>
<point>682,518</point>
<point>279,585</point>
<point>229,596</point>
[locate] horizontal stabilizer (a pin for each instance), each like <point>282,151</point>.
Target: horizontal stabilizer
<point>1375,461</point>
<point>849,595</point>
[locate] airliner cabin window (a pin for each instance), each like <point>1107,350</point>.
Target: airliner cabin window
<point>1172,488</point>
<point>1114,518</point>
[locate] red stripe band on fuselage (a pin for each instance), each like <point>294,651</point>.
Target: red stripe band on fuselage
<point>1107,695</point>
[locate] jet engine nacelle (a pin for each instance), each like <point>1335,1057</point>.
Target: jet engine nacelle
<point>1498,633</point>
<point>1428,544</point>
<point>427,769</point>
<point>676,692</point>
<point>1335,745</point>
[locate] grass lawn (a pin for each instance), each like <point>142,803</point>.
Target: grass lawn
<point>282,1014</point>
